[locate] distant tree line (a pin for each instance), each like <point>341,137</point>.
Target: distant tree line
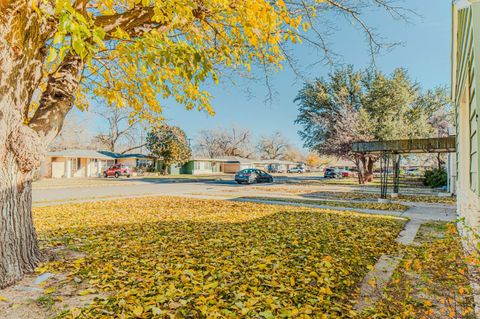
<point>123,135</point>
<point>239,142</point>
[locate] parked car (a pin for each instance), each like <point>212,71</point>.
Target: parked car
<point>332,173</point>
<point>346,173</point>
<point>117,170</point>
<point>297,169</point>
<point>253,175</point>
<point>412,172</point>
<point>274,169</point>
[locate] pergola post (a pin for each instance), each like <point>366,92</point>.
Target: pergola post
<point>396,147</point>
<point>384,163</point>
<point>396,174</point>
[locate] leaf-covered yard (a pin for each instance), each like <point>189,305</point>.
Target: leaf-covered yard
<point>166,256</point>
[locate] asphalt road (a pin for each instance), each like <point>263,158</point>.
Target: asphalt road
<point>136,188</point>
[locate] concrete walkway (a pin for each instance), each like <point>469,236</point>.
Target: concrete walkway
<point>377,279</point>
<point>415,214</point>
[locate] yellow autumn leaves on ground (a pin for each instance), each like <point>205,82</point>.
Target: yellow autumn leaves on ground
<point>333,203</point>
<point>167,257</point>
<point>432,280</point>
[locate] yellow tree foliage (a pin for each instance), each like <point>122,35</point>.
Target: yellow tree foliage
<point>313,160</point>
<point>140,52</point>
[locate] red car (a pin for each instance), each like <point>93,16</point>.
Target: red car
<point>346,173</point>
<point>117,170</point>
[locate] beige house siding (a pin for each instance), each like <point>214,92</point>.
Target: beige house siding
<point>58,167</point>
<point>132,162</point>
<point>66,167</point>
<point>465,80</point>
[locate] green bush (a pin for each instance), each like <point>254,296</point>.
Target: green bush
<point>436,177</point>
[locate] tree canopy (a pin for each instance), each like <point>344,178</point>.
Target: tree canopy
<point>170,144</point>
<point>219,142</point>
<point>274,146</point>
<point>352,106</point>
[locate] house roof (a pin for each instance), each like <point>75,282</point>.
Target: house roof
<point>105,155</point>
<point>275,161</point>
<point>236,159</point>
<point>118,155</point>
<point>205,159</point>
<point>242,160</point>
<point>225,159</point>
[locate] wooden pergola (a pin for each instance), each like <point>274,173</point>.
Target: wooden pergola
<point>393,149</point>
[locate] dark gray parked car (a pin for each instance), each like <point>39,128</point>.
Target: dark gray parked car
<point>253,175</point>
<point>332,173</point>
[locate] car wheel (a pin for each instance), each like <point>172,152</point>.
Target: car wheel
<point>105,174</point>
<point>238,182</point>
<point>128,176</point>
<point>270,180</point>
<point>117,175</point>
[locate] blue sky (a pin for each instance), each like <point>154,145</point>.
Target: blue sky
<point>425,53</point>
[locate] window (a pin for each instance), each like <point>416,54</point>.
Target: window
<point>74,164</point>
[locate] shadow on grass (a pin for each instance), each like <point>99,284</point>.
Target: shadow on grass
<point>296,261</point>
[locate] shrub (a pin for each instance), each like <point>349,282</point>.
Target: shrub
<point>436,177</point>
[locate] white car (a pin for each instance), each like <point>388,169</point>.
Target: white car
<point>299,170</point>
<point>412,172</point>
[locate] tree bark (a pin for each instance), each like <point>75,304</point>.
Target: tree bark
<point>368,177</point>
<point>358,160</point>
<point>23,137</point>
<point>19,252</point>
<point>440,161</point>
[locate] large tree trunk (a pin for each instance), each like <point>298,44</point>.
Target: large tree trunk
<point>368,164</point>
<point>19,252</point>
<point>21,59</point>
<point>24,137</point>
<point>360,172</point>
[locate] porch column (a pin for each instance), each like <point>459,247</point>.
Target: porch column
<point>68,168</point>
<point>88,168</point>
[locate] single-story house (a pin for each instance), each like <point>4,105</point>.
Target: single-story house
<point>195,166</point>
<point>277,165</point>
<point>233,164</point>
<point>229,165</point>
<point>200,166</point>
<point>86,163</point>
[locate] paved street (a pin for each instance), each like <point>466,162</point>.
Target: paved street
<point>130,189</point>
<point>225,188</point>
